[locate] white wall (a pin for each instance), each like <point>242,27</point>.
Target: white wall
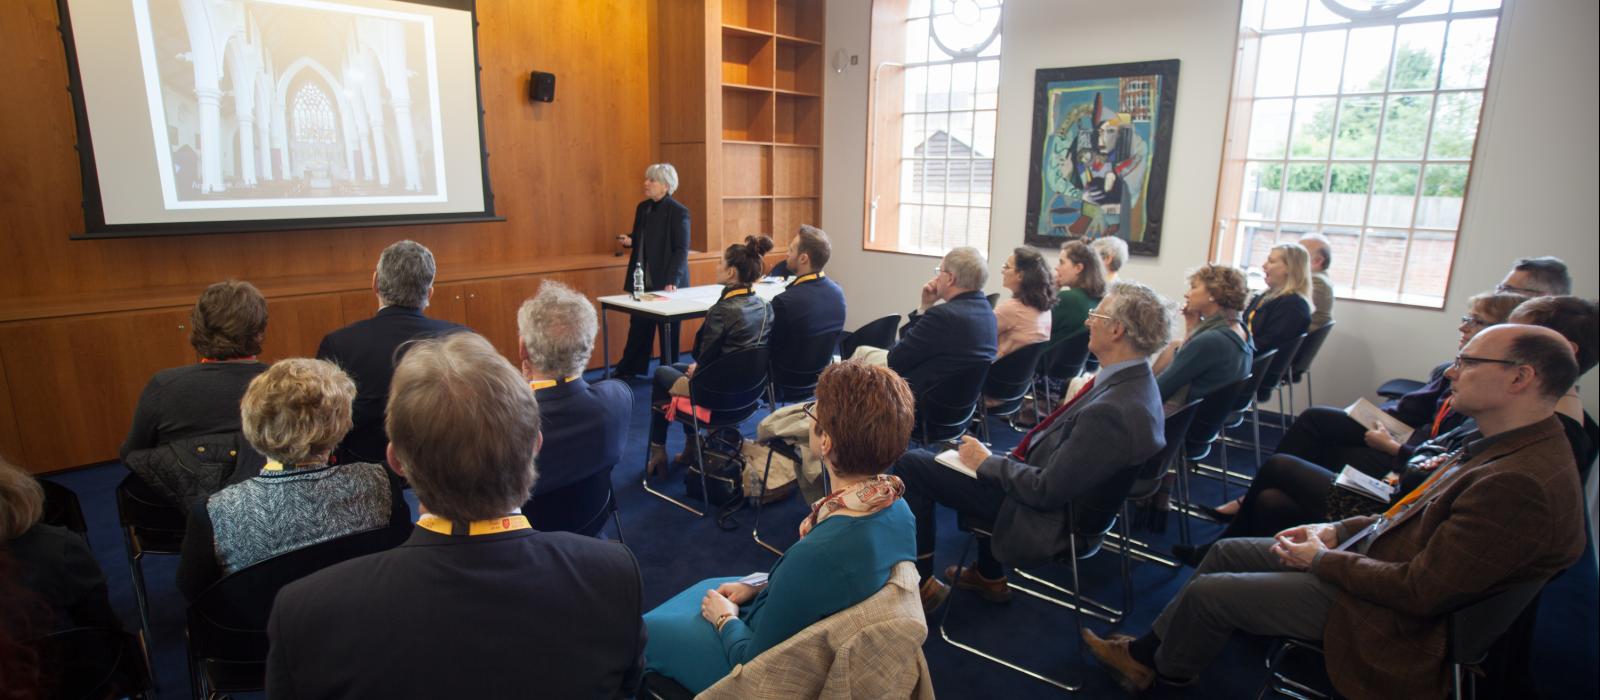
<point>1533,190</point>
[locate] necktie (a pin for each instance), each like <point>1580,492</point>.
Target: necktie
<point>1021,451</point>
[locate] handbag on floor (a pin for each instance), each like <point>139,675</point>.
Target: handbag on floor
<point>722,453</point>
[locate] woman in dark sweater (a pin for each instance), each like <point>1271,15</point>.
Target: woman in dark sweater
<point>295,413</point>
<point>738,320</point>
<point>1280,314</point>
<point>1213,353</point>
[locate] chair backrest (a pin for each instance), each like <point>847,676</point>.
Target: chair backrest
<point>92,663</point>
<point>994,299</point>
<point>731,386</point>
<point>1065,359</point>
<point>945,408</point>
<point>228,620</point>
<point>1475,627</point>
<point>139,506</point>
<point>877,334</point>
<point>1209,418</point>
<point>1260,369</point>
<point>1175,430</point>
<point>1308,351</point>
<point>61,508</point>
<point>1280,363</point>
<point>1010,376</point>
<point>795,372</point>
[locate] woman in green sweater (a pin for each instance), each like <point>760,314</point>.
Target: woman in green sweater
<point>848,545</point>
<point>1082,278</point>
<point>1215,351</point>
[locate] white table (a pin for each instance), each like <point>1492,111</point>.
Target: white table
<point>663,308</point>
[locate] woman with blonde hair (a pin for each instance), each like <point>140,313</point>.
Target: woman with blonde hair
<point>1277,316</point>
<point>294,414</point>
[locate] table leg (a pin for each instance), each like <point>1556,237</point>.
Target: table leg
<point>665,330</point>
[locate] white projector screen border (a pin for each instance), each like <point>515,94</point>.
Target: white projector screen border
<point>435,199</point>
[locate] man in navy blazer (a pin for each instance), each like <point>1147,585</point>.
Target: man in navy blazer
<point>584,425</point>
<point>811,307</point>
<point>370,348</point>
<point>476,604</point>
<point>1085,453</point>
<point>942,339</point>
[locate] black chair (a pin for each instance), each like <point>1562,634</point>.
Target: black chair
<point>945,409</point>
<point>1396,388</point>
<point>794,374</point>
<point>1471,631</point>
<point>729,390</point>
<point>1092,517</point>
<point>1300,368</point>
<point>581,507</point>
<point>150,525</point>
<point>1007,384</point>
<point>877,334</point>
<point>1204,431</point>
<point>92,663</point>
<point>994,299</point>
<point>1062,360</point>
<point>1149,481</point>
<point>1274,384</point>
<point>1244,402</point>
<point>61,508</point>
<point>227,627</point>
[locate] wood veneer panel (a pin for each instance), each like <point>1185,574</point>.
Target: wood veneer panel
<point>295,326</point>
<point>747,59</point>
<point>788,214</point>
<point>10,436</point>
<point>745,217</point>
<point>798,120</point>
<point>746,115</point>
<point>746,170</point>
<point>800,18</point>
<point>795,171</point>
<point>750,14</point>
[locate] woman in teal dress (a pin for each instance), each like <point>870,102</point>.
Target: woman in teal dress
<point>849,544</point>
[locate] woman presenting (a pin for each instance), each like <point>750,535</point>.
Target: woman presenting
<point>660,243</point>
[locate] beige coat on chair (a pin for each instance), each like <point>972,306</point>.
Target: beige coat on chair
<point>871,650</point>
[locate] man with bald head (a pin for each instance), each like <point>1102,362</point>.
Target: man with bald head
<point>1321,285</point>
<point>1376,590</point>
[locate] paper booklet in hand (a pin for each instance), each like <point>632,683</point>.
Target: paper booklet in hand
<point>1351,479</point>
<point>952,459</point>
<point>1371,417</point>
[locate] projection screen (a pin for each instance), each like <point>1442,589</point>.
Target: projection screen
<point>206,116</point>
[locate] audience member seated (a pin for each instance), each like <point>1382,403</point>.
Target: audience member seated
<point>1024,319</point>
<point>1214,352</point>
<point>1113,424</point>
<point>848,546</point>
<point>226,327</point>
<point>584,425</point>
<point>369,349</point>
<point>738,320</point>
<point>476,604</point>
<point>1081,276</point>
<point>1375,590</point>
<point>1280,314</point>
<point>1537,277</point>
<point>1326,435</point>
<point>1289,491</point>
<point>812,305</point>
<point>293,414</point>
<point>952,329</point>
<point>1321,285</point>
<point>1113,253</point>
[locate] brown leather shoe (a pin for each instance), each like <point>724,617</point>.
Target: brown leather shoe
<point>657,462</point>
<point>992,590</point>
<point>1112,652</point>
<point>934,592</point>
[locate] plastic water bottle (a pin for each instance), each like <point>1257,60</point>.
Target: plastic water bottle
<point>638,281</point>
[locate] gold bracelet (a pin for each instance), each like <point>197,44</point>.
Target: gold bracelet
<point>723,621</point>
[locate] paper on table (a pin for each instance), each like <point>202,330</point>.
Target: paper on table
<point>1372,417</point>
<point>1353,480</point>
<point>952,459</point>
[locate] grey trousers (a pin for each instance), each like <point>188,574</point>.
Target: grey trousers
<point>1240,586</point>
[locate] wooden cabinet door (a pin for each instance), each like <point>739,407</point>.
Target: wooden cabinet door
<point>449,302</point>
<point>295,326</point>
<point>86,374</point>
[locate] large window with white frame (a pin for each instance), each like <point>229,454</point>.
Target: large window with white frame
<point>935,83</point>
<point>1357,120</point>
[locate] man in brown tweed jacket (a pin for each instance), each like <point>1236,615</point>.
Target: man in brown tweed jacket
<point>1376,590</point>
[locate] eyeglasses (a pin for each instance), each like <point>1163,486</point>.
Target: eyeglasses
<point>938,270</point>
<point>1512,289</point>
<point>1006,267</point>
<point>1471,320</point>
<point>1463,361</point>
<point>1100,316</point>
<point>810,409</point>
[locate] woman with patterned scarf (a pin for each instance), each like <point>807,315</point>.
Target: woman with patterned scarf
<point>849,544</point>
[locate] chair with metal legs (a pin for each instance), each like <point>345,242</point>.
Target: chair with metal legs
<point>1204,431</point>
<point>878,334</point>
<point>1148,481</point>
<point>945,410</point>
<point>727,391</point>
<point>1007,384</point>
<point>1062,360</point>
<point>1300,368</point>
<point>1243,403</point>
<point>1274,384</point>
<point>794,376</point>
<point>150,525</point>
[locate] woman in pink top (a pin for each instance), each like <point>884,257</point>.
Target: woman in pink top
<point>1024,319</point>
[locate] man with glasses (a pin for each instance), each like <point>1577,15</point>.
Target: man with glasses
<point>1537,277</point>
<point>952,329</point>
<point>1376,590</point>
<point>1113,424</point>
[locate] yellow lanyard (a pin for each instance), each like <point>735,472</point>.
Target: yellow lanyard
<point>806,278</point>
<point>274,465</point>
<point>737,292</point>
<point>509,523</point>
<point>547,383</point>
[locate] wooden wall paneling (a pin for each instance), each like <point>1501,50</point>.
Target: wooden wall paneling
<point>10,436</point>
<point>79,380</point>
<point>689,159</point>
<point>788,214</point>
<point>355,306</point>
<point>295,326</point>
<point>744,217</point>
<point>795,171</point>
<point>449,302</point>
<point>747,170</point>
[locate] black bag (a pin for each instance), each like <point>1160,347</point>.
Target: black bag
<point>724,462</point>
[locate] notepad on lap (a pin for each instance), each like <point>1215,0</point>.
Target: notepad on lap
<point>1372,417</point>
<point>1352,480</point>
<point>952,459</point>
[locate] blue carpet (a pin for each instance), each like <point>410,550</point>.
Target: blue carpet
<point>675,549</point>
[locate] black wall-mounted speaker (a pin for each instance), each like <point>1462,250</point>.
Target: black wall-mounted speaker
<point>542,86</point>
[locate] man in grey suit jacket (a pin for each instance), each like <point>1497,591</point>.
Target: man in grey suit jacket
<point>1085,452</point>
